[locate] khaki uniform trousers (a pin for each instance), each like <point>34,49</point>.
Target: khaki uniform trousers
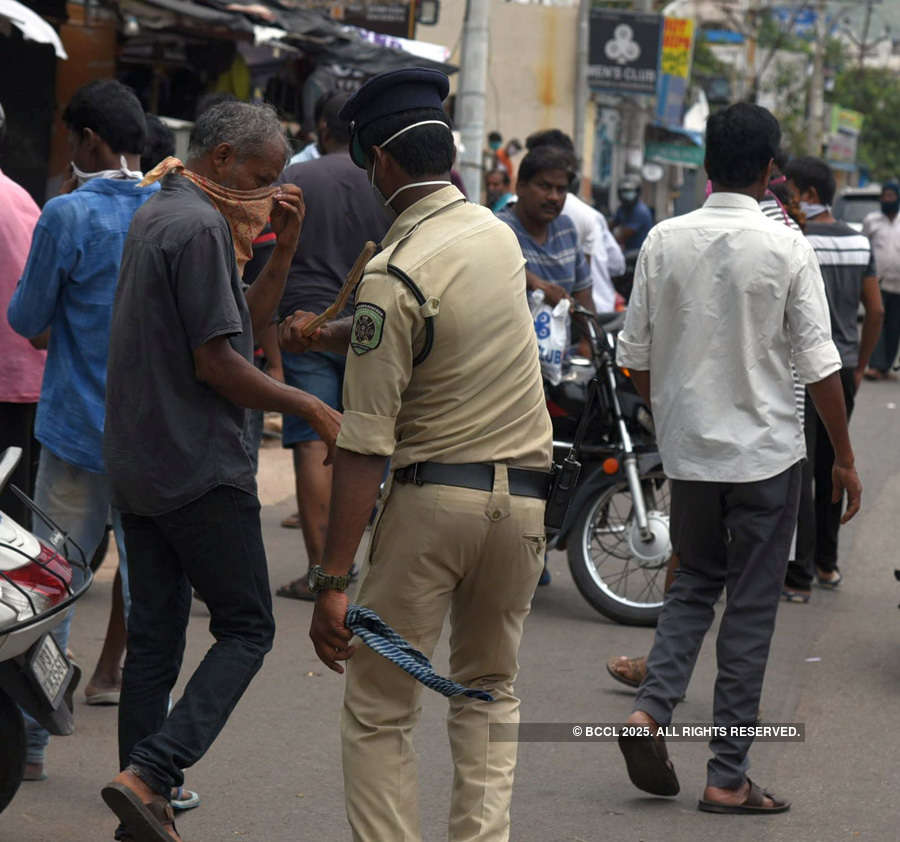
<point>478,554</point>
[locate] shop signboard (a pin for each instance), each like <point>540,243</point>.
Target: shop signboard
<point>623,54</point>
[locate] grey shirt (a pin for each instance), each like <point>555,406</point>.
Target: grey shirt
<point>170,438</point>
<point>845,258</point>
<point>342,212</point>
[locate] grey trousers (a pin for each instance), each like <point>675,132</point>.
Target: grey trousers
<point>735,536</point>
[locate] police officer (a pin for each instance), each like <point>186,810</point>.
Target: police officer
<point>443,377</point>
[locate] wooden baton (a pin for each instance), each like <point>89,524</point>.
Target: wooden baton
<point>339,303</point>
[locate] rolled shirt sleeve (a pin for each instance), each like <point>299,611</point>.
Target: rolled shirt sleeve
<point>813,352</point>
<point>633,348</point>
<point>386,323</point>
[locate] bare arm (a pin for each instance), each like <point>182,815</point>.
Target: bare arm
<point>269,343</point>
<point>828,397</point>
<point>266,291</point>
<point>357,478</point>
<point>353,494</point>
<point>871,328</point>
<point>332,336</point>
<point>641,380</point>
<point>553,293</point>
<point>223,369</point>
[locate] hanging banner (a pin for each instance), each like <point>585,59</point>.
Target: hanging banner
<point>623,54</point>
<point>674,69</point>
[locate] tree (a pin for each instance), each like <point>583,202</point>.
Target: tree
<point>876,94</point>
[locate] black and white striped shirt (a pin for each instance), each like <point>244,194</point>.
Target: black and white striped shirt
<point>776,213</point>
<point>845,258</point>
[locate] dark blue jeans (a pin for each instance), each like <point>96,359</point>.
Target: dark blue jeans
<point>215,545</point>
<point>886,350</point>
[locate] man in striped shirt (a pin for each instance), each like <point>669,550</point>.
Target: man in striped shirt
<point>548,239</point>
<point>848,269</point>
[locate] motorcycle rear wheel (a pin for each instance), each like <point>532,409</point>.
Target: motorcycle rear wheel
<point>12,757</point>
<point>606,571</point>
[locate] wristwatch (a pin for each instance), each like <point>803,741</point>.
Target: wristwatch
<point>319,580</point>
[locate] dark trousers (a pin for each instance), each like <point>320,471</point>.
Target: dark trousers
<point>819,519</point>
<point>734,536</point>
<point>17,430</point>
<point>886,350</point>
<point>215,545</point>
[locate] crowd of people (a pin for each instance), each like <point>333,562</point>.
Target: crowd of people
<point>162,301</point>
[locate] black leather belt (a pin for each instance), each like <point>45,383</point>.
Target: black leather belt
<point>476,475</point>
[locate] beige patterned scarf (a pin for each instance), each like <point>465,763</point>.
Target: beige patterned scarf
<point>246,211</point>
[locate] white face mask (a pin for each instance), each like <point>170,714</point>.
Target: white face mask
<point>812,209</point>
<point>123,172</point>
<point>399,190</point>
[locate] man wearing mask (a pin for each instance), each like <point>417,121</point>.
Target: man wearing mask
<point>883,230</point>
<point>67,290</point>
<point>342,213</point>
<point>633,219</point>
<point>460,410</point>
<point>848,270</point>
<point>181,377</point>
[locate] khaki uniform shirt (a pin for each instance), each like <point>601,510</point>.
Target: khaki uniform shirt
<point>478,396</point>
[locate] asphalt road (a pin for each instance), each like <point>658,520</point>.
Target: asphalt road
<point>274,774</point>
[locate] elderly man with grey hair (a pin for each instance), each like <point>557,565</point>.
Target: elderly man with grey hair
<point>179,381</point>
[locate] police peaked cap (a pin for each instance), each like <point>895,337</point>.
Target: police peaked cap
<point>390,93</point>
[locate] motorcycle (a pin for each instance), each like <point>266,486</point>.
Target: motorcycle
<point>616,531</point>
<point>39,582</point>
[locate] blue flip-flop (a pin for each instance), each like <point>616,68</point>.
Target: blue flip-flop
<point>184,799</point>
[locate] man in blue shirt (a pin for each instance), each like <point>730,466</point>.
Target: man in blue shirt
<point>633,219</point>
<point>67,291</point>
<point>549,242</point>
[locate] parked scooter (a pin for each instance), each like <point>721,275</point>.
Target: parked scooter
<point>39,582</point>
<point>616,531</point>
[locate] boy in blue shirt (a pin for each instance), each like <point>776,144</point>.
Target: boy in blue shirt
<point>66,292</point>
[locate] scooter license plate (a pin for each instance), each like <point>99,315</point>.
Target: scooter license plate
<point>49,668</point>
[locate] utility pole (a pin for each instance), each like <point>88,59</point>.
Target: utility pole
<point>470,98</point>
<point>865,36</point>
<point>816,122</point>
<point>581,83</point>
<point>635,116</point>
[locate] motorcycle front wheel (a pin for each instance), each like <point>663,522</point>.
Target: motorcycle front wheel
<point>615,571</point>
<point>12,757</point>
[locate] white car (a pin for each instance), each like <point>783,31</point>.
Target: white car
<point>854,204</point>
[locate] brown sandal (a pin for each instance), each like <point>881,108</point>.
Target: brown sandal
<point>146,822</point>
<point>634,672</point>
<point>753,803</point>
<point>298,589</point>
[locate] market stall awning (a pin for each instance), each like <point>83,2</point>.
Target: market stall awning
<point>309,30</point>
<point>32,26</point>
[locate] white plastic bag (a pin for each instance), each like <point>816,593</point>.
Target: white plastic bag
<point>553,328</point>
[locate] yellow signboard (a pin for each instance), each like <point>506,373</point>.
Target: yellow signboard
<point>845,120</point>
<point>675,58</point>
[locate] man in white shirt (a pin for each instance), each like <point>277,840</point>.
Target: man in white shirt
<point>883,230</point>
<point>724,301</point>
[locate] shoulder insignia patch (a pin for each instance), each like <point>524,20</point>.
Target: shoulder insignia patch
<point>368,326</point>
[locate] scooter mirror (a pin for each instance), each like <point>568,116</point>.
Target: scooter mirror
<point>8,463</point>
